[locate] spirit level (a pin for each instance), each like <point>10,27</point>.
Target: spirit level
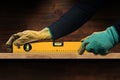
<point>49,47</point>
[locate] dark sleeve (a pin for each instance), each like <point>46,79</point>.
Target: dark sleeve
<point>117,26</point>
<point>74,18</point>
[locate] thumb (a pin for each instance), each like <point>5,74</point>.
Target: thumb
<point>82,48</point>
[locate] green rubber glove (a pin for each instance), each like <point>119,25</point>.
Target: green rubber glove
<point>101,42</point>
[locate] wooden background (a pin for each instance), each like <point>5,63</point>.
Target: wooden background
<point>20,15</point>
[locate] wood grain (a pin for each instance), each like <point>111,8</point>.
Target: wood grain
<point>20,15</point>
<point>57,56</point>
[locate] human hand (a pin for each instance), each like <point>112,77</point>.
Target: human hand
<point>101,42</point>
<point>28,36</point>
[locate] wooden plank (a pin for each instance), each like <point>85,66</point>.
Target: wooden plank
<point>57,56</point>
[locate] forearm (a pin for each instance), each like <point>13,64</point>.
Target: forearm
<point>74,18</point>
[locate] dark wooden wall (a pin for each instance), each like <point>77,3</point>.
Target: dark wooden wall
<point>19,15</point>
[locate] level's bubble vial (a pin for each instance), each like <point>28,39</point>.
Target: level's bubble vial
<point>27,47</point>
<point>58,44</point>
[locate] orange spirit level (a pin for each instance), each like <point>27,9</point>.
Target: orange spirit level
<point>50,47</point>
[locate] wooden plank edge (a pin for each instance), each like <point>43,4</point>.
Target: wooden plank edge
<point>64,56</point>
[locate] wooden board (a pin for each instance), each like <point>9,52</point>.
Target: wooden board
<point>56,56</point>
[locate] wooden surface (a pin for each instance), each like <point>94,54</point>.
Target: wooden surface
<point>57,56</point>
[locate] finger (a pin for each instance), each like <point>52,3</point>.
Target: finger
<point>20,41</point>
<point>23,40</point>
<point>104,53</point>
<point>90,47</point>
<point>82,49</point>
<point>12,39</point>
<point>101,51</point>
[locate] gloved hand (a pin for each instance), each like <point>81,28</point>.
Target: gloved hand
<point>101,42</point>
<point>27,36</point>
